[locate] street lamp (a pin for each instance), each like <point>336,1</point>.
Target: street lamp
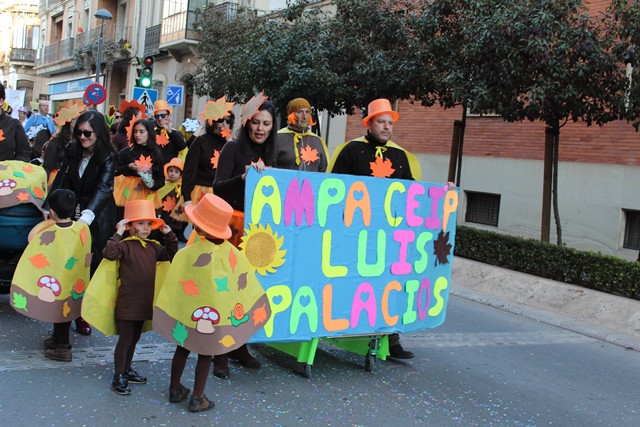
<point>101,14</point>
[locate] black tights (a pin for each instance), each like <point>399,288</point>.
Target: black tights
<point>202,370</point>
<point>61,333</point>
<point>129,331</point>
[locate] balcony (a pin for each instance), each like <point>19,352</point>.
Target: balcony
<point>111,32</point>
<point>22,55</point>
<point>56,58</point>
<point>177,32</point>
<point>152,40</point>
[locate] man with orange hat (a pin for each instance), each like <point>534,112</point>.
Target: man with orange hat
<point>376,155</point>
<point>298,147</point>
<point>169,140</point>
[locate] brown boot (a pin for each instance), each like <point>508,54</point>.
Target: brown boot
<point>242,355</point>
<point>221,366</point>
<point>62,352</point>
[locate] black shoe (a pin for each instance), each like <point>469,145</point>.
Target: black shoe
<point>199,404</point>
<point>61,352</point>
<point>397,352</point>
<point>120,385</point>
<point>133,377</point>
<point>179,394</point>
<point>221,366</point>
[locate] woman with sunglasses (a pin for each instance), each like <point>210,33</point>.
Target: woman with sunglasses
<point>87,170</point>
<point>202,158</point>
<point>169,140</point>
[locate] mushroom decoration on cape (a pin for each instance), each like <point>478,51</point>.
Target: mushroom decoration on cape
<point>6,186</point>
<point>205,317</point>
<point>50,288</point>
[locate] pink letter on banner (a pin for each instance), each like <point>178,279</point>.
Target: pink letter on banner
<point>404,237</point>
<point>415,189</point>
<point>364,299</point>
<point>436,193</point>
<point>299,202</point>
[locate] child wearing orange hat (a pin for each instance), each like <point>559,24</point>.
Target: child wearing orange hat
<point>169,199</point>
<point>211,301</point>
<point>137,256</point>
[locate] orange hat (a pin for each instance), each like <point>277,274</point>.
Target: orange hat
<point>379,106</point>
<point>142,210</point>
<point>176,163</point>
<point>161,104</point>
<point>212,215</point>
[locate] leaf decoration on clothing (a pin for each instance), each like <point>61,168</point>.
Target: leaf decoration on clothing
<point>242,281</point>
<point>20,301</point>
<point>233,260</point>
<point>259,315</point>
<point>47,237</point>
<point>144,162</point>
<point>37,192</point>
<point>27,168</point>
<point>227,341</point>
<point>225,133</point>
<point>381,168</point>
<point>169,203</point>
<point>129,131</point>
<point>190,287</point>
<point>1,135</point>
<point>39,261</point>
<point>162,139</point>
<point>66,309</point>
<point>68,114</point>
<point>222,283</point>
<point>22,196</point>
<point>70,263</point>
<point>216,110</point>
<point>214,159</point>
<point>87,260</point>
<point>203,259</point>
<point>180,333</point>
<point>309,155</point>
<point>83,236</point>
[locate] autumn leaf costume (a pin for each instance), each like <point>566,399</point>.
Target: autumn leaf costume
<point>53,273</point>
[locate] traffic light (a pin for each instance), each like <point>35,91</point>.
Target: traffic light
<point>145,73</point>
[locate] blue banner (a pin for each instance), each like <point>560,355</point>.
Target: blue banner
<point>349,255</point>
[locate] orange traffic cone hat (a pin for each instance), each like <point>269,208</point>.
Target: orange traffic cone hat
<point>211,215</point>
<point>142,210</point>
<point>379,106</point>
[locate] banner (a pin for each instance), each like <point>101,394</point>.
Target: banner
<point>349,255</point>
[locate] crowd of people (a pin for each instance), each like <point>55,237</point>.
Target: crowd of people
<point>141,177</point>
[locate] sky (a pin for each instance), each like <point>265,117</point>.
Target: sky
<point>277,4</point>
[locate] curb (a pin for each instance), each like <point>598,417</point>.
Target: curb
<point>592,313</point>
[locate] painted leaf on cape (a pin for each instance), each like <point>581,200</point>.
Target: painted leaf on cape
<point>227,341</point>
<point>242,281</point>
<point>308,154</point>
<point>381,168</point>
<point>222,283</point>
<point>203,259</point>
<point>27,168</point>
<point>22,196</point>
<point>83,236</point>
<point>180,333</point>
<point>20,301</point>
<point>70,263</point>
<point>190,287</point>
<point>233,260</point>
<point>66,309</point>
<point>47,237</point>
<point>259,315</point>
<point>39,261</point>
<point>169,203</point>
<point>87,259</point>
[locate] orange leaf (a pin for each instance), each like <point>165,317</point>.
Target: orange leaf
<point>144,162</point>
<point>68,114</point>
<point>259,315</point>
<point>22,196</point>
<point>381,168</point>
<point>129,131</point>
<point>83,236</point>
<point>161,139</point>
<point>309,155</point>
<point>27,168</point>
<point>216,110</point>
<point>169,204</point>
<point>39,261</point>
<point>232,260</point>
<point>226,133</point>
<point>214,158</point>
<point>1,135</point>
<point>190,287</point>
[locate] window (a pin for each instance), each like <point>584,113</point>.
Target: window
<point>631,229</point>
<point>482,208</point>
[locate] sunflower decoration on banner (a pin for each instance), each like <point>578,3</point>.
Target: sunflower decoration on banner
<point>68,114</point>
<point>251,108</point>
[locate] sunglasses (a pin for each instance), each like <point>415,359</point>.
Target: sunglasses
<point>224,119</point>
<point>86,133</point>
<point>161,116</point>
<point>118,116</point>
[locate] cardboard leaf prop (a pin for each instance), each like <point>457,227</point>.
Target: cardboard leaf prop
<point>251,108</point>
<point>67,114</point>
<point>216,110</point>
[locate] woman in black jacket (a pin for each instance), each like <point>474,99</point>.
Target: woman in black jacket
<point>87,170</point>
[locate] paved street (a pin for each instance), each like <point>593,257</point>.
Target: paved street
<point>483,367</point>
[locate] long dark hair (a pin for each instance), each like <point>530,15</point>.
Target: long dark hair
<point>269,144</point>
<point>128,114</point>
<point>156,154</point>
<point>99,125</point>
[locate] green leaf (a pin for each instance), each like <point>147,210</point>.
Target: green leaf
<point>20,301</point>
<point>70,263</point>
<point>180,333</point>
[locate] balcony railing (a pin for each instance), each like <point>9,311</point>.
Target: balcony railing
<point>22,55</point>
<point>57,51</point>
<point>152,40</point>
<point>111,32</point>
<point>178,27</point>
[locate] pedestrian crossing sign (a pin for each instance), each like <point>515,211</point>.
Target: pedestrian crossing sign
<point>145,97</point>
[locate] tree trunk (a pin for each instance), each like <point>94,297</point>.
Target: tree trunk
<point>547,184</point>
<point>556,212</point>
<point>455,149</point>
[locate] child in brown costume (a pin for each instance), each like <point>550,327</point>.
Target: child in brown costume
<point>137,257</point>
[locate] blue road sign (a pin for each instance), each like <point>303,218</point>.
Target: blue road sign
<point>175,95</point>
<point>145,97</point>
<point>95,94</point>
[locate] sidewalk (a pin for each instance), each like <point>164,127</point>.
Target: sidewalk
<point>596,314</point>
